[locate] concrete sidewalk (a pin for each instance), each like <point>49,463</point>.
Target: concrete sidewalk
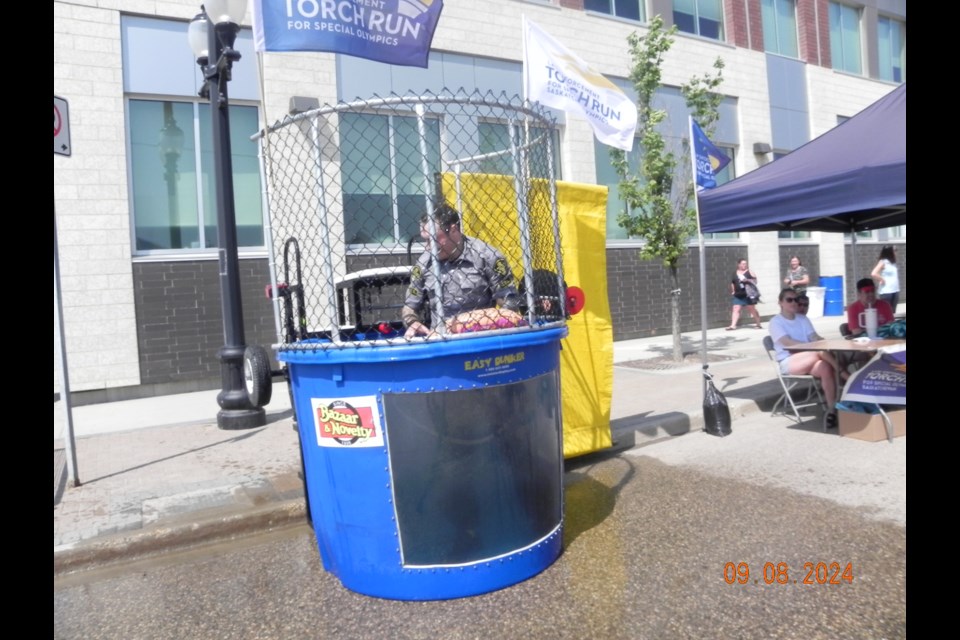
<point>157,473</point>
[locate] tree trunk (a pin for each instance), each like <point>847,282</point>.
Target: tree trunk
<point>675,313</point>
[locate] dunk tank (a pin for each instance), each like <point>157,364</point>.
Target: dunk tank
<point>432,463</point>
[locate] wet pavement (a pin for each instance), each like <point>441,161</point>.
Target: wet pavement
<point>648,536</point>
<point>650,525</point>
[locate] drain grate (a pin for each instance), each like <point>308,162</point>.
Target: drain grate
<point>667,363</point>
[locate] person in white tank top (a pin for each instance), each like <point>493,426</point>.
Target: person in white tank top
<point>887,277</point>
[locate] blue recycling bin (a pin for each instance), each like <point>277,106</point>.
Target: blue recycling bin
<point>433,469</point>
<point>833,295</point>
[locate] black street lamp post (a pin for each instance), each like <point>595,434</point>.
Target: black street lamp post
<point>212,34</point>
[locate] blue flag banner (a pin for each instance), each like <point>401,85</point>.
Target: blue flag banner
<point>393,31</point>
<point>709,159</point>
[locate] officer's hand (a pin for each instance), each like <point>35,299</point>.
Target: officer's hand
<point>416,329</point>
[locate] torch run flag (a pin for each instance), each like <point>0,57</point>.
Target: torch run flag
<point>708,159</point>
<point>393,31</point>
<point>558,78</point>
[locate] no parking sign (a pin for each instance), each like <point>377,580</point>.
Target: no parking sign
<point>61,127</point>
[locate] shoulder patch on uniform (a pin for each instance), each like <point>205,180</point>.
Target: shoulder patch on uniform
<point>414,292</point>
<point>500,267</point>
<point>416,273</point>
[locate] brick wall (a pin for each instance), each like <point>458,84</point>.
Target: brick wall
<point>867,257</point>
<point>639,291</point>
<point>180,328</point>
<point>179,322</point>
<point>744,24</point>
<point>809,255</point>
<point>823,30</point>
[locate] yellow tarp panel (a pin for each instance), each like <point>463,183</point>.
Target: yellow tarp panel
<point>586,362</point>
<point>488,205</point>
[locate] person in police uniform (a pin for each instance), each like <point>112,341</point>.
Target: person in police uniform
<point>473,275</point>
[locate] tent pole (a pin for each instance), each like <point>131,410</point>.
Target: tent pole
<point>853,256</point>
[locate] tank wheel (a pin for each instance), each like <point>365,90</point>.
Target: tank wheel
<point>257,376</point>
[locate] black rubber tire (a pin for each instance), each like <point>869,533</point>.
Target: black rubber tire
<point>257,376</point>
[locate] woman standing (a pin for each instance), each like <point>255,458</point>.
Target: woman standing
<point>887,277</point>
<point>744,292</point>
<point>790,327</point>
<point>797,276</point>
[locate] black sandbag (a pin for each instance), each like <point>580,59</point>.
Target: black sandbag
<point>716,413</point>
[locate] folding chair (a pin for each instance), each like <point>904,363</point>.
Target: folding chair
<point>791,382</point>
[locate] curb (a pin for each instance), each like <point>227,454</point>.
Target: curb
<point>161,539</point>
<point>629,433</point>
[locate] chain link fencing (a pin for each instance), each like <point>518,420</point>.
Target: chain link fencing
<point>356,189</point>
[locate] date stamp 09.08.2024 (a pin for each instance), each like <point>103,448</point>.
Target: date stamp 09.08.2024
<point>782,573</point>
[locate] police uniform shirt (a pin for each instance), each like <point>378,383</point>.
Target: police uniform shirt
<point>473,280</point>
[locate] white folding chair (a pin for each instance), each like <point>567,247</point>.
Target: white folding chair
<point>791,383</point>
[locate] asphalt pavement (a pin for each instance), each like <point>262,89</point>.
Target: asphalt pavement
<point>157,474</point>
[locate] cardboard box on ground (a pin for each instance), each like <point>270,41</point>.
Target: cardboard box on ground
<point>870,427</point>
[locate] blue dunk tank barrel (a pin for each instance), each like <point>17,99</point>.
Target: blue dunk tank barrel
<point>433,469</point>
<point>832,295</point>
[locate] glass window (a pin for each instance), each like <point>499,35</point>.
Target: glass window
<point>384,191</point>
<point>170,143</point>
<point>630,9</point>
<point>724,176</point>
<point>780,27</point>
<point>789,235</point>
<point>845,37</point>
<point>607,175</point>
<point>495,136</point>
<point>702,17</point>
<point>892,47</point>
<point>173,190</point>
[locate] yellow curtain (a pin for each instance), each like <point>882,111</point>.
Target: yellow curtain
<point>586,361</point>
<point>488,207</point>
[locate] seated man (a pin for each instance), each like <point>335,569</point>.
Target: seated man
<point>867,298</point>
<point>473,276</point>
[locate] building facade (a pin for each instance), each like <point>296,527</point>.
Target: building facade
<point>136,222</point>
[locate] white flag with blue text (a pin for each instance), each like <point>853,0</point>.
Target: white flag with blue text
<point>558,78</point>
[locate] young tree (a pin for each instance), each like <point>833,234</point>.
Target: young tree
<point>657,198</point>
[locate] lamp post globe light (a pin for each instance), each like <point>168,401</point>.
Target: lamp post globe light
<point>212,34</point>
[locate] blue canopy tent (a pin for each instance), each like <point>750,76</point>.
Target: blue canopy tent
<point>851,178</point>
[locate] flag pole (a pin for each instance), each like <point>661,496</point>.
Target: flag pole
<point>703,261</point>
<point>525,71</point>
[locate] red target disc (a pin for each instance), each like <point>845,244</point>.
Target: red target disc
<point>575,300</point>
